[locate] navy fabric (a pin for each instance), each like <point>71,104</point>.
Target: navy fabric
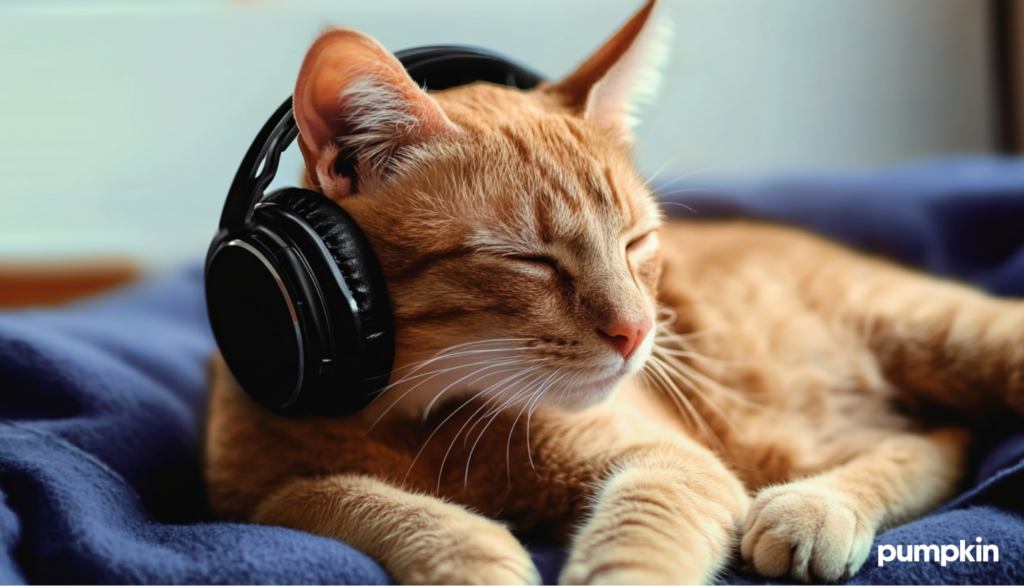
<point>102,403</point>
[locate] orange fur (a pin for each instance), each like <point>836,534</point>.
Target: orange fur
<point>774,414</point>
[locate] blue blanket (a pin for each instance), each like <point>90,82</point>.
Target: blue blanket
<point>102,402</point>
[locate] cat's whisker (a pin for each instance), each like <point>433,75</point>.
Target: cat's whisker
<point>449,354</point>
<point>430,405</point>
<point>688,372</point>
<point>658,382</point>
<point>661,195</point>
<point>665,317</point>
<point>526,403</point>
<point>511,431</point>
<point>471,344</point>
<point>436,429</point>
<point>568,386</point>
<point>724,391</point>
<point>682,402</point>
<point>661,348</point>
<point>659,379</point>
<point>488,389</point>
<point>472,416</point>
<point>526,407</point>
<point>514,399</point>
<point>481,372</point>
<point>654,176</point>
<point>529,418</point>
<point>690,354</point>
<point>651,128</point>
<point>684,190</point>
<point>431,373</point>
<point>473,398</point>
<point>686,375</point>
<point>497,412</point>
<point>421,364</point>
<point>716,169</point>
<point>466,349</point>
<point>445,420</point>
<point>491,362</point>
<point>665,338</point>
<point>500,407</point>
<point>676,203</point>
<point>714,441</point>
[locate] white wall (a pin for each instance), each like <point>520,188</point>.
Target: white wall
<point>121,123</point>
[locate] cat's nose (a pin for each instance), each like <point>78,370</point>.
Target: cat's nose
<point>626,336</point>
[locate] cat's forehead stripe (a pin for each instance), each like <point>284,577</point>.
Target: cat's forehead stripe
<point>517,142</point>
<point>555,181</point>
<point>569,170</point>
<point>616,196</point>
<point>544,224</point>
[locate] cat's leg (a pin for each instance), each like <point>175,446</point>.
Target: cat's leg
<point>669,514</point>
<point>938,341</point>
<point>822,527</point>
<point>417,538</point>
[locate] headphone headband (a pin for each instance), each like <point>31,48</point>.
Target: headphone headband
<point>262,157</point>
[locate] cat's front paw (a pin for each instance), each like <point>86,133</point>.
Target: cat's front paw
<point>625,567</point>
<point>478,552</point>
<point>808,531</point>
<point>633,555</point>
<point>579,574</point>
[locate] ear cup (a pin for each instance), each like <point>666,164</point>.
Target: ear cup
<point>354,257</point>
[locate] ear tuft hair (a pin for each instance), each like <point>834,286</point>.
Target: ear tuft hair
<point>624,73</point>
<point>636,80</point>
<point>379,116</point>
<point>354,100</point>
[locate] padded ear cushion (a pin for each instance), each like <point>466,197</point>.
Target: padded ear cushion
<point>356,262</point>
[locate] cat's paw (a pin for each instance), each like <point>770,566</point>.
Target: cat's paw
<point>807,531</point>
<point>598,557</point>
<point>622,571</point>
<point>582,575</point>
<point>475,553</point>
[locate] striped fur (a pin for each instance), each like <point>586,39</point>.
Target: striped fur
<point>781,412</point>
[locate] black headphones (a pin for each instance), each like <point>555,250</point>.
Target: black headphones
<point>296,299</point>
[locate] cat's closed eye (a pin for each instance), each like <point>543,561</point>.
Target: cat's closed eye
<point>639,241</point>
<point>539,261</point>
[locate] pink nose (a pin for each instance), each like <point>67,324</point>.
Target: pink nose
<point>626,336</point>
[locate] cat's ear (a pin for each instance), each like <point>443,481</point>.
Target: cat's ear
<point>624,73</point>
<point>354,97</point>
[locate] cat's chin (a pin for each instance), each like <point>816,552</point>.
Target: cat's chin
<point>586,394</point>
<point>592,392</point>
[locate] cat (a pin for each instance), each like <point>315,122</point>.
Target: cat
<point>663,397</point>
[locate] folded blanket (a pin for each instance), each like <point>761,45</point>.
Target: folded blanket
<point>102,403</point>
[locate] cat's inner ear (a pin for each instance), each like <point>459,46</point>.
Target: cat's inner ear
<point>353,100</point>
<point>624,73</point>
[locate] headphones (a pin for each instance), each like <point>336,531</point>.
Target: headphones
<point>296,299</point>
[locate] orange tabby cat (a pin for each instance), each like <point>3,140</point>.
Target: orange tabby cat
<point>656,396</point>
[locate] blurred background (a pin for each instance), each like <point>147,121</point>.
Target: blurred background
<point>123,122</point>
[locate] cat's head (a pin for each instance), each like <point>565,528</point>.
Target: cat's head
<point>515,235</point>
